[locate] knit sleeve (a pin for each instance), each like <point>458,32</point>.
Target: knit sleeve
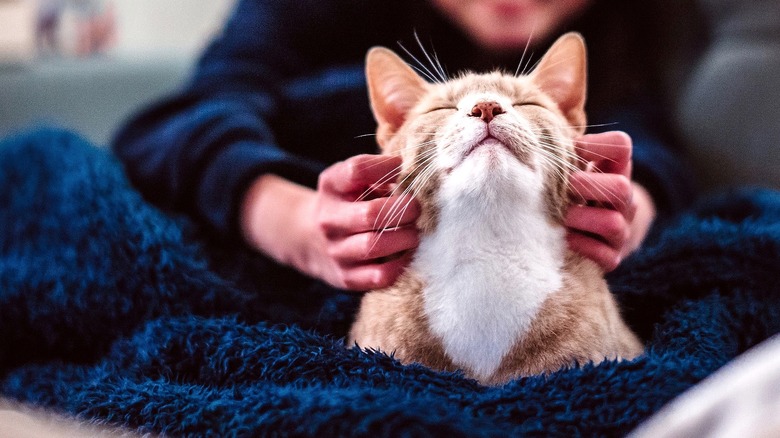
<point>197,151</point>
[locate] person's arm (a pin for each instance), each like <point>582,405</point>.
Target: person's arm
<point>612,214</point>
<point>326,233</point>
<point>634,179</point>
<point>196,151</point>
<point>222,152</point>
<point>266,79</point>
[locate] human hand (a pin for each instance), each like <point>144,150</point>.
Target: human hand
<point>611,214</point>
<point>362,232</point>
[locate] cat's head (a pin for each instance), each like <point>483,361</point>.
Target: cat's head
<point>497,137</point>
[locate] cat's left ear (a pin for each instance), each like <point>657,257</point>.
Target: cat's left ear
<point>394,88</point>
<point>562,75</point>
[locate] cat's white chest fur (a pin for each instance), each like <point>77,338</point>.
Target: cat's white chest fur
<point>489,265</point>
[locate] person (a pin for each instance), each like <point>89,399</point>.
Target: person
<point>264,143</point>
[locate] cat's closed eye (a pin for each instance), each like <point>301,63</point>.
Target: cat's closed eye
<point>442,108</point>
<point>520,104</point>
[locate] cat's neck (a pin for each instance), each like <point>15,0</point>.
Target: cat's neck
<point>487,268</point>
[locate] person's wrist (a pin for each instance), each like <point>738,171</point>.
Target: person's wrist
<point>251,212</point>
<point>644,216</point>
<point>303,251</point>
<point>276,219</point>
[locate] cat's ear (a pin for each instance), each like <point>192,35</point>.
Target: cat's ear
<point>562,75</point>
<point>394,88</point>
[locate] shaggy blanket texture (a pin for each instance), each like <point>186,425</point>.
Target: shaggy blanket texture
<point>111,309</point>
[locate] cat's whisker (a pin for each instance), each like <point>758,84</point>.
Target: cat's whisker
<point>562,161</point>
<point>601,190</point>
<point>562,168</point>
<point>417,178</point>
<point>429,76</point>
<point>543,135</point>
<point>533,67</point>
<point>420,164</point>
<point>422,157</point>
<point>562,155</point>
<point>435,65</point>
<point>557,163</point>
<point>561,165</point>
<point>396,211</point>
<point>569,165</point>
<point>441,68</point>
<point>561,171</point>
<point>594,125</point>
<point>518,72</point>
<point>416,146</point>
<point>525,70</point>
<point>413,192</point>
<point>402,183</point>
<point>421,67</point>
<point>387,178</point>
<point>555,143</point>
<point>603,157</point>
<point>585,141</point>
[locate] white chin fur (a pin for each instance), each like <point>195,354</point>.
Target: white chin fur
<point>492,259</point>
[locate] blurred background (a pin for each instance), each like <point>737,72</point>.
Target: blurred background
<point>88,64</point>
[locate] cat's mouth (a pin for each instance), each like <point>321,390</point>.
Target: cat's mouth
<point>488,141</point>
<point>494,144</point>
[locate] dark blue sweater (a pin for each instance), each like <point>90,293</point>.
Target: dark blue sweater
<point>282,90</point>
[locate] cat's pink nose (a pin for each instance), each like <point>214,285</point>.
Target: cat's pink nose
<point>486,110</point>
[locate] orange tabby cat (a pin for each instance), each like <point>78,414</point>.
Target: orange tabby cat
<point>492,289</point>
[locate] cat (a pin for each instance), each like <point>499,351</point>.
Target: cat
<point>492,289</point>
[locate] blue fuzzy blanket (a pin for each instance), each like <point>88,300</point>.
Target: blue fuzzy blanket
<point>111,309</point>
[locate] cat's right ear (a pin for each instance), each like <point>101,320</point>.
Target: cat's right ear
<point>562,75</point>
<point>394,88</point>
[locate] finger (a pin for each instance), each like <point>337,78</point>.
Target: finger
<point>608,225</point>
<point>374,276</point>
<point>603,255</point>
<point>609,190</point>
<point>609,151</point>
<point>379,190</point>
<point>359,173</point>
<point>364,247</point>
<point>345,218</point>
